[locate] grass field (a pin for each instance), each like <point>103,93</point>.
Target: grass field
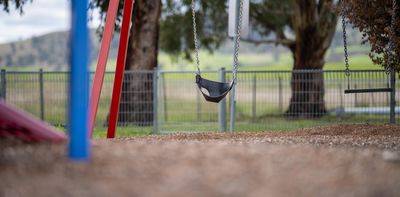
<point>271,123</point>
<point>248,61</point>
<point>257,62</point>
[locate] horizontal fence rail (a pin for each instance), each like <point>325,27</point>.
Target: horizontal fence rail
<point>168,101</point>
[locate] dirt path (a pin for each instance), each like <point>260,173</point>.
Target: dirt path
<point>356,160</point>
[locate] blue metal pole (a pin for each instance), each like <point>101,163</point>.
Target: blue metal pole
<point>79,83</point>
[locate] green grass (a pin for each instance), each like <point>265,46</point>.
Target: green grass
<point>101,132</point>
<point>261,124</point>
<point>33,68</point>
<point>358,62</point>
<point>212,61</point>
<point>279,123</point>
<point>248,61</point>
<point>258,62</point>
<point>122,132</point>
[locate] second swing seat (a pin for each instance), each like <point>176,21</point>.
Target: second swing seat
<point>350,91</point>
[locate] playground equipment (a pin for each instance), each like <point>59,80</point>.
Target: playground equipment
<point>217,90</point>
<point>389,68</point>
<point>214,91</point>
<point>102,61</point>
<point>18,124</point>
<point>79,82</point>
<point>15,123</point>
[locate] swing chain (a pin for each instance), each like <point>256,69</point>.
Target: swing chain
<point>392,35</point>
<point>196,43</point>
<point>346,55</point>
<point>236,56</point>
<point>236,50</point>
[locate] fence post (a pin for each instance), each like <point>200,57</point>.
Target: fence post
<point>355,97</point>
<point>155,101</point>
<point>164,97</point>
<point>388,95</point>
<point>3,92</point>
<point>41,94</point>
<point>280,94</point>
<point>341,95</point>
<point>371,95</point>
<point>198,106</point>
<point>254,99</point>
<point>222,104</point>
<point>233,109</point>
<point>393,95</point>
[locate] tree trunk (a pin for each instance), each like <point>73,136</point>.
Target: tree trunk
<point>137,95</point>
<point>314,23</point>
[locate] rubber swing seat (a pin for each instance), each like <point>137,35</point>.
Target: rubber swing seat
<point>216,91</point>
<point>350,91</point>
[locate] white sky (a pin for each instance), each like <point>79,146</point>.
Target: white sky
<point>40,17</point>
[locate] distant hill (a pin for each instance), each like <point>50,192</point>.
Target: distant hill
<point>51,49</point>
<point>46,50</point>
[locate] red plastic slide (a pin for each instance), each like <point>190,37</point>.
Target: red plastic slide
<point>15,123</point>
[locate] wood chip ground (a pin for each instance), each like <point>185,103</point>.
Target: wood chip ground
<point>343,160</point>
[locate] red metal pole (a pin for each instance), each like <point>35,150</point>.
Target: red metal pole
<point>119,72</point>
<point>102,62</point>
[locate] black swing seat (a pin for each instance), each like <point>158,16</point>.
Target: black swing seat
<point>350,91</point>
<point>216,90</point>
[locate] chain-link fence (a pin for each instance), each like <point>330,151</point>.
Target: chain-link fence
<point>163,101</point>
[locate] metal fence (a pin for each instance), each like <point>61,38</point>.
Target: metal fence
<point>163,101</point>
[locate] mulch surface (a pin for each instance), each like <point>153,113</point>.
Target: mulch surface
<point>342,160</point>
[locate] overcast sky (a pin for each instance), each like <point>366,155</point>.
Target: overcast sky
<point>40,17</point>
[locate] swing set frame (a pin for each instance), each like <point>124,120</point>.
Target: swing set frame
<point>102,62</point>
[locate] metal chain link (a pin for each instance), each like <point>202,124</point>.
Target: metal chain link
<point>196,43</point>
<point>236,56</point>
<point>391,42</point>
<point>392,35</point>
<point>346,55</point>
